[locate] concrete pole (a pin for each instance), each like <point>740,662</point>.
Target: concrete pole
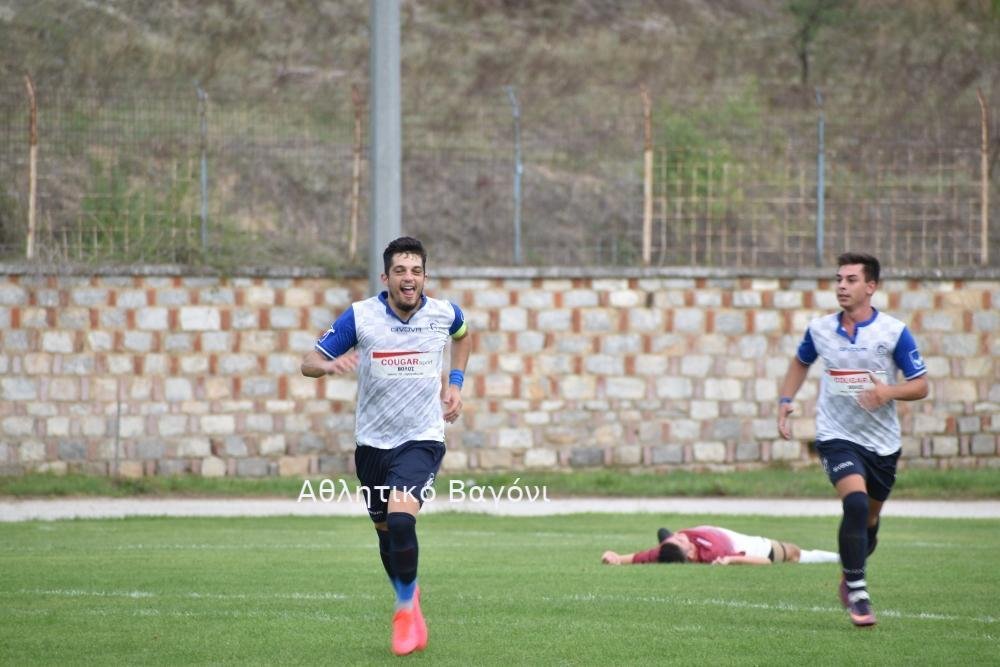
<point>386,135</point>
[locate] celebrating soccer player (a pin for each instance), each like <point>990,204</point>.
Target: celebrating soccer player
<point>400,336</point>
<point>857,429</point>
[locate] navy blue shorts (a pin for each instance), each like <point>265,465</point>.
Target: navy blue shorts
<point>409,468</point>
<point>841,458</point>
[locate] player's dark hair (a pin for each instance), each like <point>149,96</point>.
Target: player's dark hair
<point>402,246</point>
<point>671,553</point>
<point>869,263</point>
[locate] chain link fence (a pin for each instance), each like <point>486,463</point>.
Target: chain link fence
<point>176,176</point>
<point>915,206</point>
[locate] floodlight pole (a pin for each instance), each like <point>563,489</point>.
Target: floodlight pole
<point>386,135</point>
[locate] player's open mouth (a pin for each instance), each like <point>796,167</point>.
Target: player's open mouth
<point>408,291</point>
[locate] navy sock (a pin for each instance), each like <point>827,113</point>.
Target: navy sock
<point>383,552</point>
<point>853,539</point>
<point>873,537</point>
<point>403,553</point>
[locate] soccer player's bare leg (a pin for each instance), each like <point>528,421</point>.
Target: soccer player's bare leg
<point>790,553</point>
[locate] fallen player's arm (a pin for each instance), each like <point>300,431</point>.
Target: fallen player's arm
<point>612,558</point>
<point>741,560</point>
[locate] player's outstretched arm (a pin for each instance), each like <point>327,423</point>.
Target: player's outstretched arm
<point>612,558</point>
<point>315,365</point>
<point>796,375</point>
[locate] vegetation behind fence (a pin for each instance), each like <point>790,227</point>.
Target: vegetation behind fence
<point>182,176</point>
<point>206,131</point>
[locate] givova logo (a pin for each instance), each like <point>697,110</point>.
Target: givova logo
<point>842,465</point>
<point>837,468</point>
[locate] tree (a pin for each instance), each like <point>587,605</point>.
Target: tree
<point>810,17</point>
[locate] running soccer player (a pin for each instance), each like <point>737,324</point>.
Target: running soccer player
<point>718,546</point>
<point>857,428</point>
<point>396,341</point>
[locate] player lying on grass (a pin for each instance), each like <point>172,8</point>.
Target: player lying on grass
<point>718,546</point>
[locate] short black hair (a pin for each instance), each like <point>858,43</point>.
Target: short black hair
<point>869,263</point>
<point>404,245</point>
<point>671,553</point>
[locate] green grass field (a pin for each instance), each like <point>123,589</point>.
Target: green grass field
<point>767,482</point>
<point>496,590</point>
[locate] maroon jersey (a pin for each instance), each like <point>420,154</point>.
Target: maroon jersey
<point>709,543</point>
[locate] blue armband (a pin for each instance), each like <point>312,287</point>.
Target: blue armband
<point>784,399</point>
<point>456,377</point>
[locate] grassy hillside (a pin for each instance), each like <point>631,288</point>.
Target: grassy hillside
<point>924,53</point>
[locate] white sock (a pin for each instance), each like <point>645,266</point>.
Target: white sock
<point>818,556</point>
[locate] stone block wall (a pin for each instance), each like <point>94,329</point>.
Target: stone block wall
<point>155,372</point>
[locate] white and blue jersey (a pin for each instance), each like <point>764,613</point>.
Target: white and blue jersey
<point>882,345</point>
<point>399,367</point>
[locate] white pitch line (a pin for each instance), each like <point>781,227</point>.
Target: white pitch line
<point>13,549</point>
<point>194,595</point>
<point>743,604</point>
<point>269,614</point>
<point>580,597</point>
<point>78,593</point>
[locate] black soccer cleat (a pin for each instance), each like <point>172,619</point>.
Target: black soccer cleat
<point>662,534</point>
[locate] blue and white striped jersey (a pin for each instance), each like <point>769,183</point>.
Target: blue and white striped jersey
<point>399,367</point>
<point>882,345</point>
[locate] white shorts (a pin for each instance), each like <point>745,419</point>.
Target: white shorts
<point>750,545</point>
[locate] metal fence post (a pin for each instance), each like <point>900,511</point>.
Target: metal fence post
<point>647,176</point>
<point>32,165</point>
<point>518,170</point>
<point>203,113</point>
<point>820,184</point>
<point>984,180</point>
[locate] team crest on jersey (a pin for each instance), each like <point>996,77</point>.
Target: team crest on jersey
<point>882,350</point>
<point>918,361</point>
